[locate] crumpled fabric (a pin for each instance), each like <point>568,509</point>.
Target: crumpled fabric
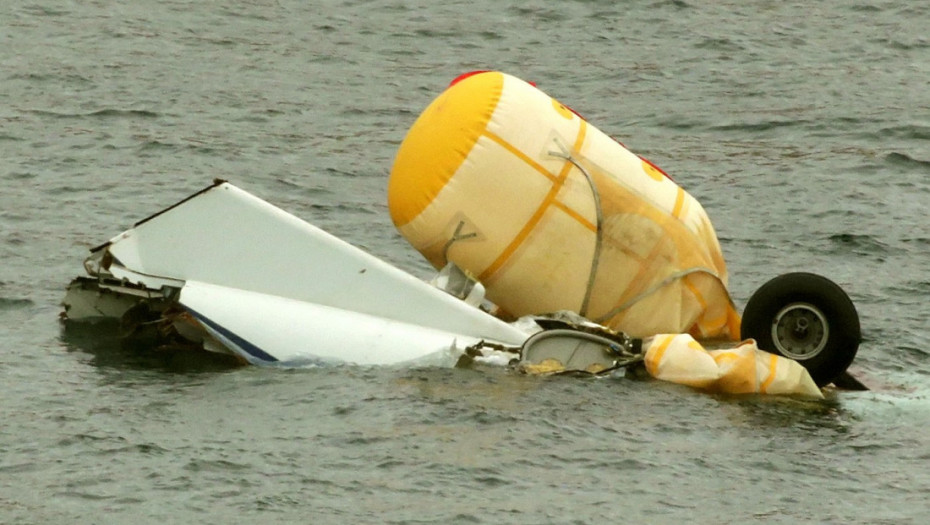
<point>744,369</point>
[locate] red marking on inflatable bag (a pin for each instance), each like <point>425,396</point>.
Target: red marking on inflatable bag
<point>463,76</point>
<point>649,162</point>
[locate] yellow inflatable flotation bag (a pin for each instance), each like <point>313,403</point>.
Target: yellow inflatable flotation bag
<point>550,214</point>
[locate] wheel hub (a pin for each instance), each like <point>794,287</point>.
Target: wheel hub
<point>800,331</point>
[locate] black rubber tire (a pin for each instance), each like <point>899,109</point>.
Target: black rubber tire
<point>805,317</point>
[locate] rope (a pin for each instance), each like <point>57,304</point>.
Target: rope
<point>654,288</point>
<point>456,237</point>
<point>598,234</point>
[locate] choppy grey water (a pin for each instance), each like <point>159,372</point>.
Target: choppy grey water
<point>803,128</point>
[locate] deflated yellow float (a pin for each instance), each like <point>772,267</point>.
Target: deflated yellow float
<point>741,370</point>
<point>550,214</point>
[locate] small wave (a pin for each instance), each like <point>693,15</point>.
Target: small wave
<point>20,175</point>
<point>910,358</point>
<point>433,32</point>
<point>277,501</point>
<point>341,172</point>
<point>919,242</point>
<point>252,118</point>
<point>18,468</point>
<point>304,188</point>
<point>860,244</point>
<point>111,112</point>
<point>340,209</point>
<point>911,288</point>
<point>77,494</point>
<point>682,124</point>
<point>759,126</point>
<point>68,78</point>
<point>539,13</point>
<point>100,113</point>
<point>490,478</point>
<point>245,14</point>
<point>217,465</point>
<point>140,448</point>
<point>359,438</point>
<point>13,303</point>
<point>909,131</point>
<point>719,44</point>
<point>154,146</point>
<point>902,159</point>
<point>678,4</point>
<point>899,45</point>
<point>40,10</point>
<point>86,438</point>
<point>218,41</point>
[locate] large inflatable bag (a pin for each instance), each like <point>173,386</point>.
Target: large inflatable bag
<point>550,214</point>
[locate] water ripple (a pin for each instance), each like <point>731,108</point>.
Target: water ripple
<point>906,161</point>
<point>866,245</point>
<point>910,131</point>
<point>105,113</point>
<point>15,303</point>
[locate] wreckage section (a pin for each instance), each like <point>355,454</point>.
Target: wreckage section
<point>226,272</point>
<point>231,271</point>
<point>141,313</point>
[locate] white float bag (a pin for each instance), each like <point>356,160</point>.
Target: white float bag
<point>743,369</point>
<point>550,214</point>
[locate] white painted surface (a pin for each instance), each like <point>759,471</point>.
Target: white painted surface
<point>252,324</point>
<point>227,237</point>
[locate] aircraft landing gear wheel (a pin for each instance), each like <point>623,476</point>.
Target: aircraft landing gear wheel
<point>808,318</point>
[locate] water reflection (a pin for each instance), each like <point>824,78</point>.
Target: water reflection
<point>110,350</point>
<point>805,417</point>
